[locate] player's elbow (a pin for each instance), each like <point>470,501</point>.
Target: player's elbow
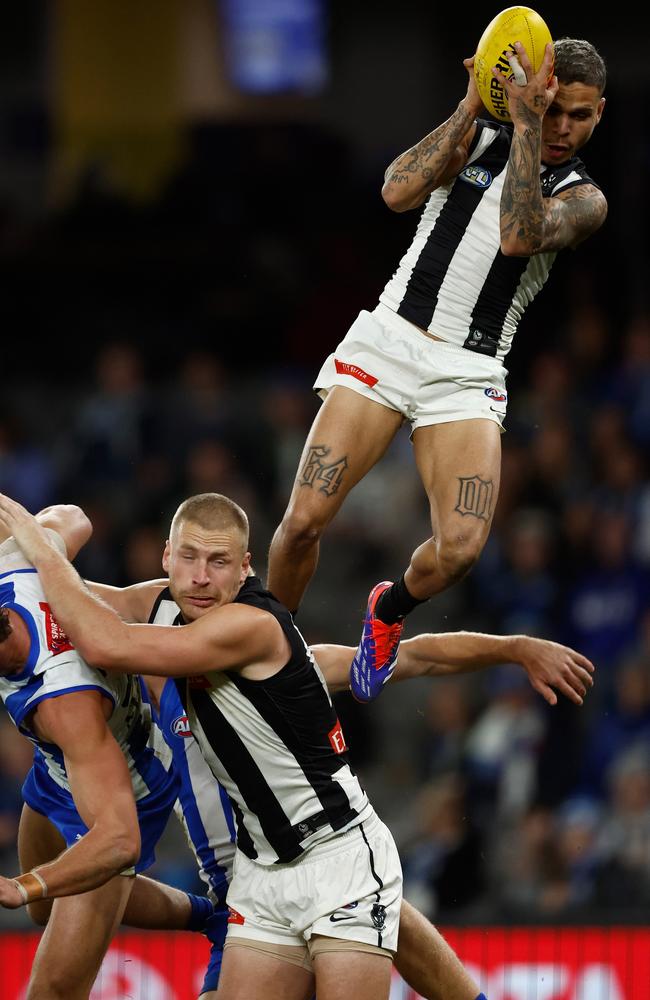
<point>513,247</point>
<point>125,848</point>
<point>397,198</point>
<point>105,652</point>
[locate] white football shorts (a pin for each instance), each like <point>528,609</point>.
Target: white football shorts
<point>387,359</point>
<point>348,887</point>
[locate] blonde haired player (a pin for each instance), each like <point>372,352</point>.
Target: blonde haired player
<point>193,592</point>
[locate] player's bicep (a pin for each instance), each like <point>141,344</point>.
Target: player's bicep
<point>571,216</point>
<point>229,637</point>
<point>132,604</point>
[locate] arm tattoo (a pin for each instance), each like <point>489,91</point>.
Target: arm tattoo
<point>426,161</point>
<point>522,204</point>
<point>573,215</point>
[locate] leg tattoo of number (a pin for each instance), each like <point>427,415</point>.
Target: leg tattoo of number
<point>475,497</point>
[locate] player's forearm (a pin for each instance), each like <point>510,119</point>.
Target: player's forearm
<point>456,652</point>
<point>419,170</point>
<point>100,855</point>
<point>94,629</point>
<point>522,219</point>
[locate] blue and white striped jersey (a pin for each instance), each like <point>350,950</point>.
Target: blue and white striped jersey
<point>54,668</point>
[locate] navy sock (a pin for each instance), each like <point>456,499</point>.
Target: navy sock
<point>202,909</point>
<point>481,996</point>
<point>396,603</point>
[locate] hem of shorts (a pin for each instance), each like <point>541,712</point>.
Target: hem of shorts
<point>456,418</point>
<point>257,933</point>
<point>350,940</point>
<point>348,382</point>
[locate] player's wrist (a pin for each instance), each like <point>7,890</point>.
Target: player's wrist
<point>31,886</point>
<point>471,108</point>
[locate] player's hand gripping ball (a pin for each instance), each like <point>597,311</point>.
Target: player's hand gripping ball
<point>514,24</point>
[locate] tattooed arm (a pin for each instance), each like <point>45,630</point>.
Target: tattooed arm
<point>437,158</point>
<point>530,223</point>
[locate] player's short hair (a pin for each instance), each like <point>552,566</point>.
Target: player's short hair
<point>578,61</point>
<point>6,627</point>
<point>212,511</point>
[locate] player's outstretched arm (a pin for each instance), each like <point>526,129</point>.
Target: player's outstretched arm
<point>549,665</point>
<point>102,792</point>
<point>436,159</point>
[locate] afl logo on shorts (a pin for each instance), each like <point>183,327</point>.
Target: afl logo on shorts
<point>478,176</point>
<point>181,727</point>
<point>496,395</point>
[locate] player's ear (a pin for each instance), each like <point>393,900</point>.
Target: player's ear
<point>166,555</point>
<point>246,569</point>
<point>600,109</point>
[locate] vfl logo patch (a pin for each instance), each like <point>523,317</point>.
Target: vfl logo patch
<point>343,368</point>
<point>477,176</point>
<point>496,395</point>
<point>57,640</point>
<point>181,727</point>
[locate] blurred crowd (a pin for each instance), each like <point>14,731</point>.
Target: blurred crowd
<point>189,368</point>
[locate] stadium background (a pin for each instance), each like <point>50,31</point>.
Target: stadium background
<point>190,219</point>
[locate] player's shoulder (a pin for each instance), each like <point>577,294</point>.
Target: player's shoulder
<point>564,177</point>
<point>142,601</point>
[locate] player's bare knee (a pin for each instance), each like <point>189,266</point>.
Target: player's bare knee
<point>457,555</point>
<point>302,529</point>
<point>39,912</point>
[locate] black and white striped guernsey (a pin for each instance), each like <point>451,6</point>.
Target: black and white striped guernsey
<point>275,745</point>
<point>453,281</point>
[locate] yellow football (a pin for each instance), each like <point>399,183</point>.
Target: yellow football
<point>514,24</point>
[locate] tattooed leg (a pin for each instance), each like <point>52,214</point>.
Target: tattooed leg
<point>335,457</point>
<point>459,463</point>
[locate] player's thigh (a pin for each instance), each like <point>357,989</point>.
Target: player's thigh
<point>76,939</point>
<point>39,841</point>
<point>248,974</point>
<point>427,962</point>
<point>359,974</point>
<point>460,466</point>
<point>348,437</point>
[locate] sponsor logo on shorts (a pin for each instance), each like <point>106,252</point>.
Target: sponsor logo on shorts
<point>378,916</point>
<point>337,915</point>
<point>496,394</point>
<point>234,917</point>
<point>477,176</point>
<point>337,739</point>
<point>181,727</point>
<point>343,368</point>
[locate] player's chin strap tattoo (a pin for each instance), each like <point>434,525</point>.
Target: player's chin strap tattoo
<point>31,886</point>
